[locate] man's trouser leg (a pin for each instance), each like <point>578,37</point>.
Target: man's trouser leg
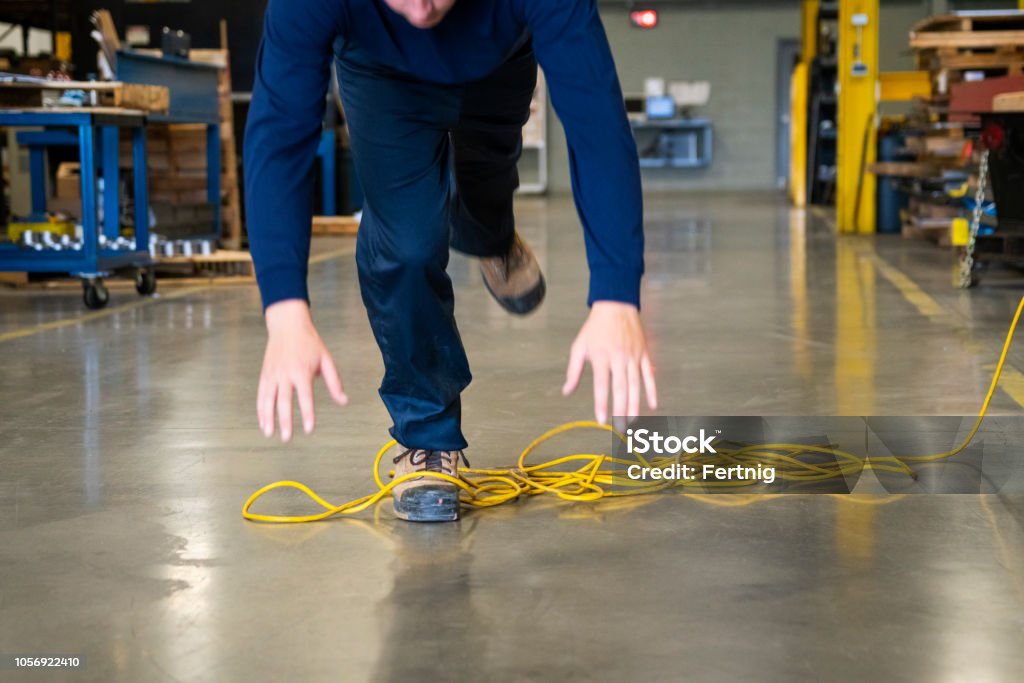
<point>486,144</point>
<point>399,132</point>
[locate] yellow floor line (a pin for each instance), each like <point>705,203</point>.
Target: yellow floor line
<point>1011,382</point>
<point>917,297</point>
<point>83,318</point>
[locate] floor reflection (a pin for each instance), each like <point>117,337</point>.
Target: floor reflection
<point>434,631</point>
<point>678,252</point>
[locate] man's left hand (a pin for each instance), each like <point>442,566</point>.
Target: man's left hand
<point>612,340</point>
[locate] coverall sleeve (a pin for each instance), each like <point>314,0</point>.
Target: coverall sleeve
<point>281,138</point>
<point>572,49</point>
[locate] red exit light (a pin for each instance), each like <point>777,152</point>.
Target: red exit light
<point>644,18</point>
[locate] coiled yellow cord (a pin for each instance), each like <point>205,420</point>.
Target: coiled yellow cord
<point>489,487</point>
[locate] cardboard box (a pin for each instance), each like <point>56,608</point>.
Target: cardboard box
<point>69,181</point>
<point>72,208</point>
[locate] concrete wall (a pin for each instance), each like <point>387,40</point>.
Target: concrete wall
<point>734,47</point>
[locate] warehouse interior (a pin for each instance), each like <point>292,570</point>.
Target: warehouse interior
<point>832,220</point>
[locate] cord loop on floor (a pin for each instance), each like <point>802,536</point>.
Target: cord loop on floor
<point>585,477</point>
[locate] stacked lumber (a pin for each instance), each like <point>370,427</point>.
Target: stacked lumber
<point>969,46</point>
<point>231,212</point>
<point>934,180</point>
<point>971,58</point>
<point>176,159</point>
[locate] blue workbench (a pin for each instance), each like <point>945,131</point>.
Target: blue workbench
<point>194,98</point>
<point>97,132</point>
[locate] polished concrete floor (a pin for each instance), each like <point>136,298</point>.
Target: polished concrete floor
<point>128,443</point>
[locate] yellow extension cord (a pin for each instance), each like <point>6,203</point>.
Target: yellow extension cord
<point>484,488</point>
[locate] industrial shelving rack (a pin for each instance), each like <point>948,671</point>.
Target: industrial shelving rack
<point>822,117</point>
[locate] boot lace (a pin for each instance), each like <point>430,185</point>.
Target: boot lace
<point>433,461</point>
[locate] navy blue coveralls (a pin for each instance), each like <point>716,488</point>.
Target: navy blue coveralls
<point>435,119</point>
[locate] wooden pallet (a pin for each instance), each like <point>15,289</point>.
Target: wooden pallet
<point>949,66</point>
<point>969,30</point>
<point>149,98</point>
<point>335,225</point>
<point>1007,58</point>
<point>939,149</point>
<point>936,212</point>
<point>905,169</point>
<point>224,263</point>
<point>937,230</point>
<point>985,20</point>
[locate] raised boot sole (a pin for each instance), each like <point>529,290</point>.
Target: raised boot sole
<point>428,504</point>
<point>521,305</point>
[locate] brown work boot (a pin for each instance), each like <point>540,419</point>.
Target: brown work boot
<point>427,499</point>
<point>515,280</point>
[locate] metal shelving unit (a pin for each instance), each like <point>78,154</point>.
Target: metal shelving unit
<point>674,143</point>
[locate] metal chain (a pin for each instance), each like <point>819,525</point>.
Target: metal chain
<point>967,262</point>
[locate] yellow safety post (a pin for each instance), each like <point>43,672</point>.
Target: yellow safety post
<point>798,135</point>
<point>798,102</point>
<point>809,30</point>
<point>858,98</point>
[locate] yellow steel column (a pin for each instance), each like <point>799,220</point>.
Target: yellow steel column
<point>798,102</point>
<point>809,30</point>
<point>799,86</point>
<point>858,95</point>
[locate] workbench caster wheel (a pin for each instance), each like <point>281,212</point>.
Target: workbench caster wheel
<point>95,294</point>
<point>145,281</point>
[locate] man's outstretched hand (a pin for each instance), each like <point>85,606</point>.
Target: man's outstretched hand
<point>295,356</point>
<point>612,340</point>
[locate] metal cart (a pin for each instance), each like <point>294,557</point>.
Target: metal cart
<point>96,131</point>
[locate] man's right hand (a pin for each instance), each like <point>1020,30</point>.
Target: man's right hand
<point>295,356</point>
